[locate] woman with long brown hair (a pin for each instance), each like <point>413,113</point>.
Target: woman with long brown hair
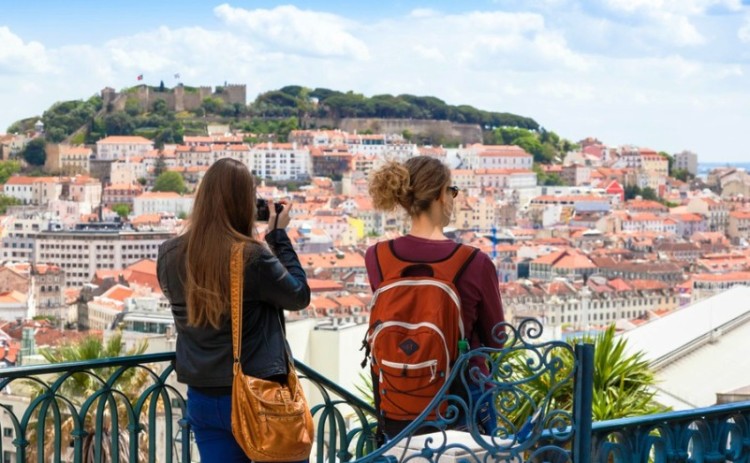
<point>193,271</point>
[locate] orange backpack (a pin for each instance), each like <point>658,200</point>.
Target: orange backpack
<point>415,326</point>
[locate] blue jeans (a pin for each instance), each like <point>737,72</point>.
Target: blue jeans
<point>210,419</point>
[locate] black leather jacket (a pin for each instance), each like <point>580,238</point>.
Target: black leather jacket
<point>272,283</point>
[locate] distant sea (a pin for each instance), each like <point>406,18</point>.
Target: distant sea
<point>705,167</point>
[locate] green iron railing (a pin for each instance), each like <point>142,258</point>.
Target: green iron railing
<point>718,434</point>
<point>132,409</point>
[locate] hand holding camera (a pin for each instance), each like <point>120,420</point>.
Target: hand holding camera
<point>276,214</point>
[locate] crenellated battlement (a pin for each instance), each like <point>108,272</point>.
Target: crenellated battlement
<point>179,98</point>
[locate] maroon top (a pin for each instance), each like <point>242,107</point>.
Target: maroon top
<point>478,286</point>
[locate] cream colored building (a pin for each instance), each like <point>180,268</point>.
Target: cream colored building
<point>162,201</point>
<point>121,148</point>
<point>738,227</point>
<point>67,159</point>
<point>36,191</point>
<point>85,189</point>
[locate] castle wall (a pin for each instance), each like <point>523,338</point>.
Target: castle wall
<point>464,133</point>
<point>178,99</point>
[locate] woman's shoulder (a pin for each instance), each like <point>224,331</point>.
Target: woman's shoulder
<point>256,251</point>
<point>480,258</point>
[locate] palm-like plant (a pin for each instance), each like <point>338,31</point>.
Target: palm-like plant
<point>621,383</point>
<point>78,387</point>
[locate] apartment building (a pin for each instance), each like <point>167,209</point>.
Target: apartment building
<point>705,285</point>
<point>122,148</point>
<point>686,160</point>
<point>569,263</point>
<point>480,156</point>
<point>471,213</point>
<point>35,191</point>
<point>738,228</point>
<point>121,193</point>
<point>91,247</point>
<point>195,155</point>
<point>715,211</point>
<point>67,159</point>
<point>576,174</point>
<point>504,178</point>
<point>83,189</point>
<point>162,201</point>
<point>561,304</point>
<point>280,161</point>
<point>19,234</point>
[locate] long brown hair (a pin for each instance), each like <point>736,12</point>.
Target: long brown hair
<point>223,213</point>
<point>413,185</point>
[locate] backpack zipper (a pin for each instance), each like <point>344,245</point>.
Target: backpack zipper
<point>432,364</point>
<point>452,294</point>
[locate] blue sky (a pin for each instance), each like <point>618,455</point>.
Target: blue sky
<point>666,74</point>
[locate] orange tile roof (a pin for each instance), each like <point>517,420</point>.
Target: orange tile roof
<point>159,195</point>
<point>125,139</point>
<point>118,293</point>
<point>725,277</point>
<point>317,285</point>
<point>12,297</point>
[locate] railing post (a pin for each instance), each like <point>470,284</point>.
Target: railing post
<point>582,401</point>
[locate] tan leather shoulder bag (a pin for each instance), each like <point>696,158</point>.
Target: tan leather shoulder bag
<point>270,421</point>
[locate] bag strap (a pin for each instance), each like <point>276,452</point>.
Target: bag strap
<point>236,273</point>
<point>449,268</point>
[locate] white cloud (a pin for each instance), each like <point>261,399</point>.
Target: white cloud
<point>529,63</point>
<point>423,13</point>
<point>430,53</point>
<point>17,56</point>
<point>296,31</point>
<point>687,7</point>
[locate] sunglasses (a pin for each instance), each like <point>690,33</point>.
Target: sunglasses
<point>453,190</point>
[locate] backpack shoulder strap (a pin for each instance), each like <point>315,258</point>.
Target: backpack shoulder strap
<point>451,268</point>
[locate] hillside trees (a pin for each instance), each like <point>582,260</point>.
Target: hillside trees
<point>7,169</point>
<point>546,147</point>
<point>288,100</point>
<point>34,153</point>
<point>170,181</point>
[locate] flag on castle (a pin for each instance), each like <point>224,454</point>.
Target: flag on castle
<point>140,77</point>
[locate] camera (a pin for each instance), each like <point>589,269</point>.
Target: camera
<point>262,210</point>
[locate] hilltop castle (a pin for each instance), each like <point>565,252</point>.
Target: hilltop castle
<point>180,98</point>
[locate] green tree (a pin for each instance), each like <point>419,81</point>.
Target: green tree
<point>123,210</point>
<point>681,174</point>
<point>7,169</point>
<point>34,153</point>
<point>118,124</point>
<point>132,107</point>
<point>161,86</point>
<point>161,165</point>
<point>649,194</point>
<point>670,160</point>
<point>212,105</point>
<point>170,181</point>
<point>160,107</point>
<point>7,201</point>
